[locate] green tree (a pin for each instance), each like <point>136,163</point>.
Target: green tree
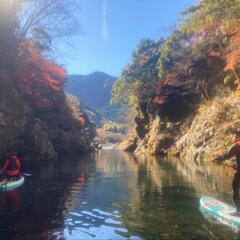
<point>138,79</point>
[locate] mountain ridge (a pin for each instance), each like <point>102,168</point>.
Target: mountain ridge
<point>100,84</point>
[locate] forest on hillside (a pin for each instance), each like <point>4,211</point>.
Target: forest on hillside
<point>172,78</point>
<point>201,55</point>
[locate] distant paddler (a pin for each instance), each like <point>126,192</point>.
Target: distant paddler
<point>11,168</point>
<point>234,151</point>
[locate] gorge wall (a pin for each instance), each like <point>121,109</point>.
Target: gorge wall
<point>37,134</point>
<point>206,133</point>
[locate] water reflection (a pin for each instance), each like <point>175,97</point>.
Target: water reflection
<point>115,195</point>
<point>170,192</point>
<point>92,214</point>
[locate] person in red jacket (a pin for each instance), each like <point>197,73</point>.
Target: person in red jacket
<point>12,167</point>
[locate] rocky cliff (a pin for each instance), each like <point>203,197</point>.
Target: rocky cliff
<point>35,134</point>
<point>211,131</point>
<point>205,134</point>
<point>151,134</point>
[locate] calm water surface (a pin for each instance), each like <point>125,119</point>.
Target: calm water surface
<point>115,195</point>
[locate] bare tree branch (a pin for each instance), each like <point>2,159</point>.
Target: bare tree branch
<point>55,17</point>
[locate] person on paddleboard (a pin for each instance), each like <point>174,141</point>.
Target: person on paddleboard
<point>12,167</point>
<point>234,151</point>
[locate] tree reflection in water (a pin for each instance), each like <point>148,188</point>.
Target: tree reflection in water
<point>116,195</point>
<point>168,206</point>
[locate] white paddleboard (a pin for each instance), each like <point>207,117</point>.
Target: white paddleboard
<point>8,186</point>
<point>219,210</point>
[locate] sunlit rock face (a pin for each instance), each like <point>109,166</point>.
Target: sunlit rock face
<point>150,135</point>
<point>212,130</point>
<point>206,133</point>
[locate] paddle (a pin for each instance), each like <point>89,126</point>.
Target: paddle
<point>26,174</point>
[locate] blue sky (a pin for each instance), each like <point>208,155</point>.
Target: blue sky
<point>113,28</point>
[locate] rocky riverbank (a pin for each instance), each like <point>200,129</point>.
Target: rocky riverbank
<point>206,133</point>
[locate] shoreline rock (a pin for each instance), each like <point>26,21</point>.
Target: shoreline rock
<point>202,136</point>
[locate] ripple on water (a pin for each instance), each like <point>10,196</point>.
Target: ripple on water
<point>94,224</point>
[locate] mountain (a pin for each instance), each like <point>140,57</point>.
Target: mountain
<point>93,90</point>
<point>93,115</point>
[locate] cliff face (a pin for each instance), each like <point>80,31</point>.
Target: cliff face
<point>34,134</point>
<point>150,134</point>
<point>205,134</point>
<point>211,132</point>
<point>36,119</point>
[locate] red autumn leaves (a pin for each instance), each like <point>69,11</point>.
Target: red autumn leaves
<point>160,95</point>
<point>41,79</point>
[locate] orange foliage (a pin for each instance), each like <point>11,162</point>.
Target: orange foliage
<point>160,97</point>
<point>81,120</point>
<point>232,31</point>
<point>170,79</point>
<point>159,100</point>
<point>41,78</point>
<point>214,53</point>
<point>230,55</point>
<point>233,56</point>
<point>74,107</point>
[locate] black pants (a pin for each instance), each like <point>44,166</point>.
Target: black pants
<point>236,189</point>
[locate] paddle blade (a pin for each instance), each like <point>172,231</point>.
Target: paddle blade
<point>26,174</point>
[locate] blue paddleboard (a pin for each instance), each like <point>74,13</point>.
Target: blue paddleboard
<point>219,210</point>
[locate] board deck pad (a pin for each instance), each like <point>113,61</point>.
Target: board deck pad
<point>219,210</point>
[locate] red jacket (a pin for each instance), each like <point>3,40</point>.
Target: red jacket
<point>12,167</point>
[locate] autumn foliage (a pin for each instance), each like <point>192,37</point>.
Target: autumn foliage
<point>40,78</point>
<point>160,93</point>
<point>233,55</point>
<point>75,110</point>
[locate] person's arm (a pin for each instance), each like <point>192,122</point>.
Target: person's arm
<point>226,156</point>
<point>5,166</point>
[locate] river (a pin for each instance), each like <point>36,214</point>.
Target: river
<point>115,195</point>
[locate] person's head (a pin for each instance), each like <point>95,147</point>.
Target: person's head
<point>13,155</point>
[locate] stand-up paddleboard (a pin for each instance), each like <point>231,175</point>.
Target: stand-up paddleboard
<point>219,210</point>
<point>8,186</point>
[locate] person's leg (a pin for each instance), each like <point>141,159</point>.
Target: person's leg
<point>236,189</point>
